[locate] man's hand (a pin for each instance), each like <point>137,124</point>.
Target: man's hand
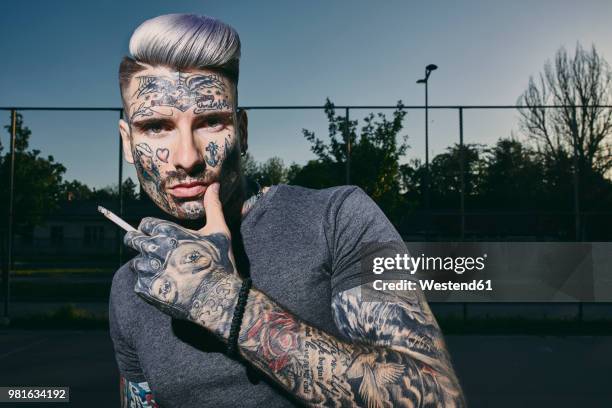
<point>188,274</point>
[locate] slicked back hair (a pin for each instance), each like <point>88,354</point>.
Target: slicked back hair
<point>182,42</point>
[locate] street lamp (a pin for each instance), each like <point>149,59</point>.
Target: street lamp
<point>428,69</point>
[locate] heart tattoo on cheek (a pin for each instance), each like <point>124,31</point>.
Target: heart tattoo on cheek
<point>162,154</point>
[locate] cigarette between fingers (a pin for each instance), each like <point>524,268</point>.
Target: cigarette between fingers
<point>114,218</point>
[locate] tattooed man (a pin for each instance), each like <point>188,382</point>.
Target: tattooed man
<point>307,335</point>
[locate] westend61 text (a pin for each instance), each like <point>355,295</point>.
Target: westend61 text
<point>429,284</point>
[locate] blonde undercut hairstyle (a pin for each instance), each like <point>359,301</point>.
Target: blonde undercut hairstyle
<point>182,42</point>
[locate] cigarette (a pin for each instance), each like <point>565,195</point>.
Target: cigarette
<point>109,214</point>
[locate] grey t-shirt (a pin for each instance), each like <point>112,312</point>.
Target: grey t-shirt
<point>302,246</point>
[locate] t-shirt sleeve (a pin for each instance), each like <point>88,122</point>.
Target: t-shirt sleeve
<point>125,353</point>
<point>360,230</point>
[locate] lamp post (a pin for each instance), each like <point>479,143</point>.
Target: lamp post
<point>428,69</point>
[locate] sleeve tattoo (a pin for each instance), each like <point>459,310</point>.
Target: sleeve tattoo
<point>396,356</point>
<point>136,395</point>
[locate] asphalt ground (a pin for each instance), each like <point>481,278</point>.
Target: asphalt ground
<point>496,371</point>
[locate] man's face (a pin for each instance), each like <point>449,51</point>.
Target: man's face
<point>182,133</point>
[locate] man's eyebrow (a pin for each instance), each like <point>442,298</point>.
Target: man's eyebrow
<point>220,114</point>
<point>164,121</point>
<point>151,121</point>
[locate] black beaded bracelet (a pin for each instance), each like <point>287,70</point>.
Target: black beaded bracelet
<point>232,340</point>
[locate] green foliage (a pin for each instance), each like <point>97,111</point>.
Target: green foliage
<point>318,174</point>
<point>75,190</point>
<point>507,176</point>
<point>39,188</point>
<point>272,171</point>
<point>374,157</point>
<point>445,174</point>
<point>513,178</point>
<point>37,182</point>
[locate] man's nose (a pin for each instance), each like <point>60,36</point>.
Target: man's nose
<point>187,155</point>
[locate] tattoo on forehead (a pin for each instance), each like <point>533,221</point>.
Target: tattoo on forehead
<point>183,91</point>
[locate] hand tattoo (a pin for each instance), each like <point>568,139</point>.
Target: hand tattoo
<point>186,275</point>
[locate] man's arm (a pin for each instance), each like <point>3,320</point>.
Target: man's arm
<point>135,392</point>
<point>401,321</point>
<point>135,395</point>
<point>191,275</point>
<point>397,359</point>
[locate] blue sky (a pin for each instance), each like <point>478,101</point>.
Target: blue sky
<point>66,53</point>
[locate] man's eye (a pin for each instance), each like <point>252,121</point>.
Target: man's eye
<point>155,129</point>
<point>213,124</point>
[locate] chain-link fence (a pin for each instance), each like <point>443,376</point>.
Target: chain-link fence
<point>64,242</point>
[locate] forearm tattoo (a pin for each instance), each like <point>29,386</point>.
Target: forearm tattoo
<point>181,91</point>
<point>136,395</point>
<point>186,275</point>
<point>396,357</point>
<point>403,323</point>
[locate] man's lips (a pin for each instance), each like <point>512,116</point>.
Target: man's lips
<point>186,190</point>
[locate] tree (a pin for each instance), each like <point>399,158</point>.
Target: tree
<point>514,179</point>
<point>582,80</point>
<point>75,191</point>
<point>445,175</point>
<point>374,157</point>
<point>272,171</point>
<point>37,182</point>
<point>317,174</point>
<point>249,166</point>
<point>582,128</point>
<point>129,190</point>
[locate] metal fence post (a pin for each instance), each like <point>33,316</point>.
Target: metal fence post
<point>120,198</point>
<point>348,147</point>
<point>576,177</point>
<point>6,271</point>
<point>462,171</point>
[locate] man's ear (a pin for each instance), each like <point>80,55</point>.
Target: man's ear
<point>124,130</point>
<point>243,127</point>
